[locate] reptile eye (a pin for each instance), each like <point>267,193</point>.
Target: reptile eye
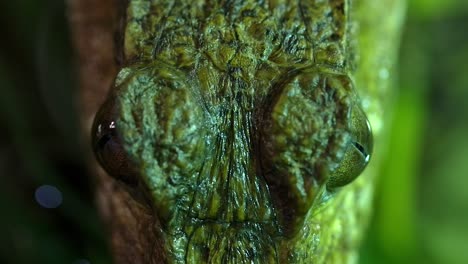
<point>108,148</point>
<point>357,153</point>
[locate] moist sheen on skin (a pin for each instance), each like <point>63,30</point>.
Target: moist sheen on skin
<point>240,122</point>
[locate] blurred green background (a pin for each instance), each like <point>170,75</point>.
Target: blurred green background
<point>421,206</point>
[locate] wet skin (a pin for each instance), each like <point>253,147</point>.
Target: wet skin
<point>238,123</point>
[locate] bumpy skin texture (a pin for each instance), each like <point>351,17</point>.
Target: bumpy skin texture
<point>237,122</point>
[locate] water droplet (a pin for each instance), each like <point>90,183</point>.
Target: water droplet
<point>48,196</point>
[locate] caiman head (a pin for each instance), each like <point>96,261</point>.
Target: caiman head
<point>232,122</point>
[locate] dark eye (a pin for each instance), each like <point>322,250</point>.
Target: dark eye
<point>108,147</point>
<point>357,153</point>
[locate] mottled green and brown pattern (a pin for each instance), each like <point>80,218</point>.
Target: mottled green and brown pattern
<point>238,122</point>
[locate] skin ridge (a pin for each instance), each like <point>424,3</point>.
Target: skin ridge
<point>224,64</point>
<point>164,26</point>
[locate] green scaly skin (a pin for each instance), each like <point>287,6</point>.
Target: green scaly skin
<point>242,120</point>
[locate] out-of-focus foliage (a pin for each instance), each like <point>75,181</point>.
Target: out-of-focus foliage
<point>421,207</point>
<point>39,142</point>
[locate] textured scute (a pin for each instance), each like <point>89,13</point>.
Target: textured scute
<point>236,114</point>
